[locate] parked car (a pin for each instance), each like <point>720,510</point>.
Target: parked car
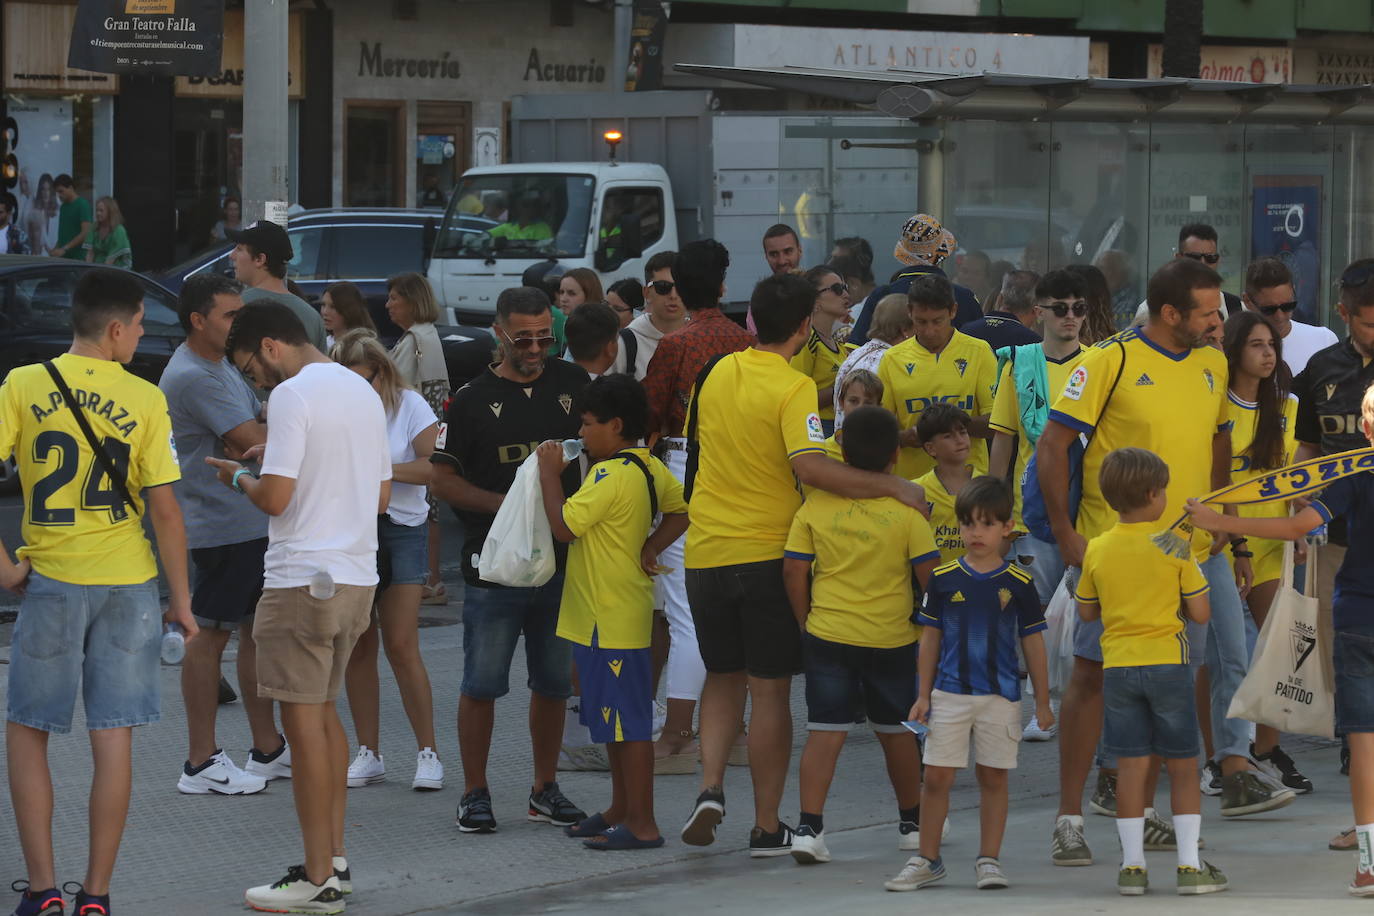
<point>35,322</point>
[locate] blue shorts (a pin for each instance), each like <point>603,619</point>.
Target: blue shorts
<point>494,620</point>
<point>617,693</point>
<point>106,638</point>
<point>227,583</point>
<point>402,553</point>
<point>839,676</point>
<point>1354,657</point>
<point>1149,709</point>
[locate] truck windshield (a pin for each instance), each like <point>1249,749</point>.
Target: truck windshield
<point>516,215</point>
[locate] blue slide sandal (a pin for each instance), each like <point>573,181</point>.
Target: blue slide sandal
<point>618,838</point>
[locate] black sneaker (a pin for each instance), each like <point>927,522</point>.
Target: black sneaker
<point>700,829</point>
<point>87,904</point>
<point>37,903</point>
<point>226,692</point>
<point>550,806</point>
<point>1103,800</point>
<point>1280,766</point>
<point>474,812</point>
<point>767,845</point>
<point>1211,778</point>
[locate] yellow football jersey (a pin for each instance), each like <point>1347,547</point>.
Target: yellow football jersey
<point>1006,415</point>
<point>862,552</point>
<point>943,521</point>
<point>76,527</point>
<point>605,590</point>
<point>1170,403</point>
<point>1140,589</point>
<point>1242,416</point>
<point>964,373</point>
<point>820,363</point>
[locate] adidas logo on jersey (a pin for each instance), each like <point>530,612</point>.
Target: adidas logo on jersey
<point>957,596</point>
<point>1144,379</point>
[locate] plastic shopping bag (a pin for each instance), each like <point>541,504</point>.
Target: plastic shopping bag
<point>1061,619</point>
<point>518,551</point>
<point>1289,682</point>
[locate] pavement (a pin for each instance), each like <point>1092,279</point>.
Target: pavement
<point>196,854</point>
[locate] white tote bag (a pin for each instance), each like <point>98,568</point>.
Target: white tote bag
<point>1061,620</point>
<point>518,551</point>
<point>1289,683</point>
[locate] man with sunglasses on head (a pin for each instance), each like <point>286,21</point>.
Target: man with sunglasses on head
<point>1269,290</point>
<point>492,425</point>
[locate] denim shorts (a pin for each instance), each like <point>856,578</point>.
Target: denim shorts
<point>493,621</point>
<point>744,621</point>
<point>1354,656</point>
<point>227,583</point>
<point>402,553</point>
<point>839,677</point>
<point>104,637</point>
<point>1149,709</point>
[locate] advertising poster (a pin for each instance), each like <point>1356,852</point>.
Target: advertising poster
<point>163,37</point>
<point>43,148</point>
<point>1285,223</point>
<point>645,71</point>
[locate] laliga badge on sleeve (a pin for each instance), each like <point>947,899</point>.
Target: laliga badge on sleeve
<point>814,431</point>
<point>1074,389</point>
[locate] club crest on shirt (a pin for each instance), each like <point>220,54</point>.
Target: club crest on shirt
<point>960,365</point>
<point>565,401</point>
<point>814,431</point>
<point>1211,382</point>
<point>1074,389</point>
<point>1004,596</point>
<point>441,439</point>
<point>495,408</point>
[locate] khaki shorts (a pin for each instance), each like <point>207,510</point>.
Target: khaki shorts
<point>993,721</point>
<point>304,643</point>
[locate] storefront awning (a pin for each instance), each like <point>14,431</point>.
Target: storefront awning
<point>923,95</point>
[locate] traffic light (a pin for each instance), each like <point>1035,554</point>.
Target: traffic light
<point>9,163</point>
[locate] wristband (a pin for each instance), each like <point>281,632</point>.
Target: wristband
<point>234,481</point>
<point>1241,554</point>
<point>1235,542</point>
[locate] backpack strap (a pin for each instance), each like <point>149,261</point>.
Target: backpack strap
<point>648,476</point>
<point>102,457</point>
<point>1111,391</point>
<point>693,444</point>
<point>630,342</point>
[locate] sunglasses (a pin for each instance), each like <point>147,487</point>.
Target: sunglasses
<point>623,309</point>
<point>1211,259</point>
<point>838,289</point>
<point>663,287</point>
<point>1269,310</point>
<point>527,343</point>
<point>1062,309</point>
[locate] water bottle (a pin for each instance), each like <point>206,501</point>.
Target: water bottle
<point>321,586</point>
<point>572,448</point>
<point>173,644</point>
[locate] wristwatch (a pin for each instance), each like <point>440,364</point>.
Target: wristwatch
<point>234,481</point>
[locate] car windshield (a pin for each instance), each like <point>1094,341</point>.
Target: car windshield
<point>197,260</point>
<point>514,215</point>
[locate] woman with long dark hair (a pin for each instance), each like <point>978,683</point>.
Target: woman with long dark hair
<point>1261,411</point>
<point>1100,323</point>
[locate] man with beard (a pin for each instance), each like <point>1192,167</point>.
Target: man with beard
<point>492,425</point>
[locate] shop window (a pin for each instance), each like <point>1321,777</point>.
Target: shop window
<point>372,155</point>
<point>441,151</point>
<point>377,252</point>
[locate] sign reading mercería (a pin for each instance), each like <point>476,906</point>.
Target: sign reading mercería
<point>164,37</point>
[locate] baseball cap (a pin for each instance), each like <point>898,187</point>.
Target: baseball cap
<point>267,237</point>
<point>924,241</point>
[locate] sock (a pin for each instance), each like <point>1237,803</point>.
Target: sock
<point>1365,834</point>
<point>1076,820</point>
<point>1132,833</point>
<point>1188,827</point>
<point>575,734</point>
<point>815,821</point>
<point>912,814</point>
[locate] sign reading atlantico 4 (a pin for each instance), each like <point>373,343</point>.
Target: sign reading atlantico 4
<point>165,37</point>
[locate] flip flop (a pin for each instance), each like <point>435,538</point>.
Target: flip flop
<point>591,825</point>
<point>1345,841</point>
<point>618,838</point>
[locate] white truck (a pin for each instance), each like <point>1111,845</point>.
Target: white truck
<point>690,170</point>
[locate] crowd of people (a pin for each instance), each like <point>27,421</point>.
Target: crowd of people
<point>879,487</point>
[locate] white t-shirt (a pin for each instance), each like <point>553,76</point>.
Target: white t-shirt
<point>413,416</point>
<point>326,430</point>
<point>1302,341</point>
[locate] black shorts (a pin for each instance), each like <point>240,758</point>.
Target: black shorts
<point>840,677</point>
<point>226,583</point>
<point>744,621</point>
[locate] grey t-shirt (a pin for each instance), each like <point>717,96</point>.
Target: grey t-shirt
<point>206,399</point>
<point>314,324</point>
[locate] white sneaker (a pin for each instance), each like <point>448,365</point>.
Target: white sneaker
<point>276,765</point>
<point>429,772</point>
<point>587,758</point>
<point>1033,731</point>
<point>808,847</point>
<point>219,776</point>
<point>909,835</point>
<point>366,768</point>
<point>344,874</point>
<point>916,874</point>
<point>989,874</point>
<point>295,894</point>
